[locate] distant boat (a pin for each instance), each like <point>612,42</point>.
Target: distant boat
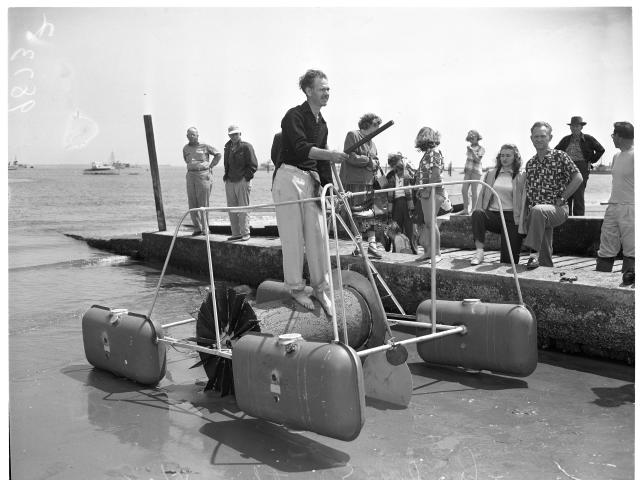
<point>100,168</point>
<point>15,165</point>
<point>601,169</point>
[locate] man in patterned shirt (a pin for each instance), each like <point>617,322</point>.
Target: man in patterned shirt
<point>551,178</point>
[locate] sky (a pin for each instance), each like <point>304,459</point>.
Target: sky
<point>80,80</point>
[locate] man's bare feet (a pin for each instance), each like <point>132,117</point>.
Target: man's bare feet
<point>303,299</point>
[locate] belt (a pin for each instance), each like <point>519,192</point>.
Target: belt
<point>201,170</point>
<point>288,166</point>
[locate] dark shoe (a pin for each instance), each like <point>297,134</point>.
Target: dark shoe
<point>196,233</point>
<point>233,238</point>
<point>532,263</point>
<point>604,264</point>
<point>356,252</point>
<point>373,253</point>
<point>629,277</point>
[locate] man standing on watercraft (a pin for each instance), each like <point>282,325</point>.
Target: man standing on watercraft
<point>199,178</point>
<point>305,168</point>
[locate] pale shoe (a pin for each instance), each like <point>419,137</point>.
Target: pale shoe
<point>478,258</point>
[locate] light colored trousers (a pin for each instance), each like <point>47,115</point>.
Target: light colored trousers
<point>425,233</point>
<point>541,222</point>
<point>301,227</point>
<point>199,186</point>
<point>238,196</point>
<point>617,231</point>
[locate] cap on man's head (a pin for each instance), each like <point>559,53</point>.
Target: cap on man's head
<point>234,129</point>
<point>577,121</point>
<point>623,130</point>
<point>394,158</point>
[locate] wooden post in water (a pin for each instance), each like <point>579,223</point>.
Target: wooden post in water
<point>155,174</point>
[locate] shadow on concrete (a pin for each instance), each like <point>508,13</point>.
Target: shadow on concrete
<point>272,445</point>
<point>472,379</point>
<point>605,368</point>
<point>459,263</point>
<point>615,397</point>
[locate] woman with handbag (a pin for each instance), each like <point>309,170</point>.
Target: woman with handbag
<point>429,171</point>
<point>358,174</point>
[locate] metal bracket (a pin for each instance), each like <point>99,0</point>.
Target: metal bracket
<point>116,314</point>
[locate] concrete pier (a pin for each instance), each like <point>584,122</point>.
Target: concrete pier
<point>578,309</point>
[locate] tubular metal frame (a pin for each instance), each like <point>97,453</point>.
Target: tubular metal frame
<point>328,195</point>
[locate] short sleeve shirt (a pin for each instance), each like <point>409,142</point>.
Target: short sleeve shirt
<point>197,156</point>
<point>430,168</point>
<point>547,179</point>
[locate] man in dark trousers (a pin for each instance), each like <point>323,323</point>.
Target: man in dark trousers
<point>584,150</point>
<point>240,164</point>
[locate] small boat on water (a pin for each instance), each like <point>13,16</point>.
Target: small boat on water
<point>15,165</point>
<point>101,168</point>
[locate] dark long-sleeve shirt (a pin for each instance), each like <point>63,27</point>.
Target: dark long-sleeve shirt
<point>590,147</point>
<point>301,132</point>
<point>239,162</point>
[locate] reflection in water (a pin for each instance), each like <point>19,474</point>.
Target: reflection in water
<point>136,417</point>
<point>241,440</point>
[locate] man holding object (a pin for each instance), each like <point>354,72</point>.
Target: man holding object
<point>305,168</point>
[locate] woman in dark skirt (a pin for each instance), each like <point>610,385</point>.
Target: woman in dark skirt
<point>358,174</point>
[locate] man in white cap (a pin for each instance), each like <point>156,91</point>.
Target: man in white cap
<point>199,179</point>
<point>584,150</point>
<point>240,164</point>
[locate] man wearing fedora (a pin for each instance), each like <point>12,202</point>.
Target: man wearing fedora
<point>240,164</point>
<point>584,150</point>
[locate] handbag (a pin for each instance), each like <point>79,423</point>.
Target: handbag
<point>381,180</point>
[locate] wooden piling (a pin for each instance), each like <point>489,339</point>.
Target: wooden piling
<point>155,174</point>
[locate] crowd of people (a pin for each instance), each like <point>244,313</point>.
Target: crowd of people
<point>535,197</point>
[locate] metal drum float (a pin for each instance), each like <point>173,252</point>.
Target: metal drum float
<point>501,338</point>
<point>126,344</point>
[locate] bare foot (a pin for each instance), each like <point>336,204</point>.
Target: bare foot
<point>303,299</point>
<point>324,300</point>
